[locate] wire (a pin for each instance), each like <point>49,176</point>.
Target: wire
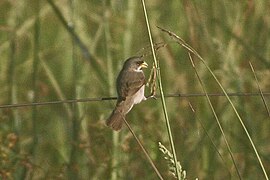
<point>97,99</point>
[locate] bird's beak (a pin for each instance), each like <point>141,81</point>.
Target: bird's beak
<point>144,65</point>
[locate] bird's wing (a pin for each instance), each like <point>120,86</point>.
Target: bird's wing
<point>129,83</point>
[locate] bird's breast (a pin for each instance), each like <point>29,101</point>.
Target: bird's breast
<point>139,96</point>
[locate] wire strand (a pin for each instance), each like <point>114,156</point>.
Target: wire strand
<point>97,99</point>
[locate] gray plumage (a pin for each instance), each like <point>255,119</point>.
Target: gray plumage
<point>130,89</point>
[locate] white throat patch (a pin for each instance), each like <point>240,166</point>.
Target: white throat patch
<point>139,69</point>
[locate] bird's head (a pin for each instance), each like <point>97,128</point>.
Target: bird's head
<point>135,64</point>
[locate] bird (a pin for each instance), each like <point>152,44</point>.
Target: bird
<point>130,85</point>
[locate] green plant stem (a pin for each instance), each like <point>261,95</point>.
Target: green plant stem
<point>192,51</point>
<point>87,55</point>
<point>242,123</point>
<point>236,112</point>
<point>211,139</point>
<point>143,149</point>
<point>12,97</point>
<point>259,88</point>
<point>130,16</point>
<point>35,70</point>
<point>34,82</point>
<point>73,173</point>
<point>161,90</point>
<point>115,135</point>
<point>15,122</point>
<point>215,115</point>
<point>55,85</point>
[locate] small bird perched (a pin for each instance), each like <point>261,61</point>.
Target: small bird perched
<point>130,86</point>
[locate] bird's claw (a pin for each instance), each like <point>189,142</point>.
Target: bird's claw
<point>151,96</point>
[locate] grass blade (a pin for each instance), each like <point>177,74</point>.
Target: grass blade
<point>161,90</point>
<point>258,85</point>
<point>215,115</point>
<point>144,150</point>
<point>192,51</point>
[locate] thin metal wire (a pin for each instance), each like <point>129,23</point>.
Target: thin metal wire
<point>97,99</point>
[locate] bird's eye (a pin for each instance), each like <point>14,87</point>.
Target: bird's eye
<point>139,62</point>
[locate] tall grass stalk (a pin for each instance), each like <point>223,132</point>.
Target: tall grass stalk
<point>73,173</point>
<point>211,140</point>
<point>84,49</point>
<point>144,150</point>
<point>15,122</point>
<point>161,90</point>
<point>259,88</point>
<point>192,51</point>
<point>127,47</point>
<point>12,97</point>
<point>35,66</point>
<point>215,115</point>
<point>236,112</point>
<point>130,16</point>
<point>115,135</point>
<point>238,116</point>
<point>56,86</point>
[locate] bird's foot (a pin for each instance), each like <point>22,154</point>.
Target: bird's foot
<point>152,97</point>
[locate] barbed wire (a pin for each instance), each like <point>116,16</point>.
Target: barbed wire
<point>97,99</point>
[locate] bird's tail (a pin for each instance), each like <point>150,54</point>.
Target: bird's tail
<point>115,121</point>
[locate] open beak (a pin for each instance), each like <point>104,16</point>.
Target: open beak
<point>144,65</point>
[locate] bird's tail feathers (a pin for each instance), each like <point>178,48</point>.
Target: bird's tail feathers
<point>115,121</point>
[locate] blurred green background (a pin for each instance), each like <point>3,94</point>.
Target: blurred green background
<point>74,49</point>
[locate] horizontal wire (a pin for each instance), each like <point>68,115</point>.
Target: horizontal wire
<point>19,105</point>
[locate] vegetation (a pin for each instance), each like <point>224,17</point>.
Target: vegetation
<point>59,60</point>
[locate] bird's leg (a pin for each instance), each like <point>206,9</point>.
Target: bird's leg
<point>151,76</point>
<point>152,83</point>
